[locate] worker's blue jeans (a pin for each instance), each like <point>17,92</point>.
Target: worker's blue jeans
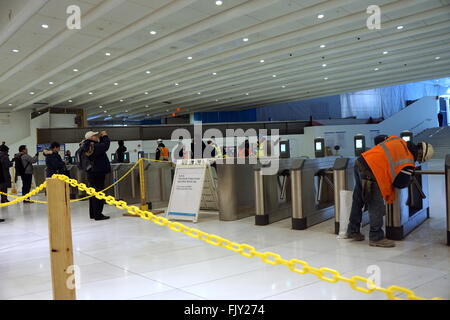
<point>375,204</point>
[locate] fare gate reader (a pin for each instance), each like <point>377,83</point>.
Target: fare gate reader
<point>319,147</point>
<point>360,144</point>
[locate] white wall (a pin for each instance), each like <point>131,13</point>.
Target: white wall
<point>417,117</point>
<point>62,120</point>
<point>14,126</point>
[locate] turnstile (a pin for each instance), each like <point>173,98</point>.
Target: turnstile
<point>316,185</point>
<point>158,177</point>
<point>235,185</point>
<point>273,198</point>
<point>410,208</point>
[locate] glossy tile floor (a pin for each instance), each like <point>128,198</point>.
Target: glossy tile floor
<point>129,258</point>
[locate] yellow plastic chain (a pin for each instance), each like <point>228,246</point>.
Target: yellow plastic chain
<point>72,201</point>
<point>295,265</point>
<point>25,197</point>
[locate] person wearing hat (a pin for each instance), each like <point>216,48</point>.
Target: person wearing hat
<point>162,152</point>
<point>96,146</point>
<point>378,172</point>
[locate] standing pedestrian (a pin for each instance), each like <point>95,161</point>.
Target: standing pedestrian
<point>94,150</point>
<point>24,168</point>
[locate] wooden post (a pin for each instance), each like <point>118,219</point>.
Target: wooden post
<point>60,236</point>
<point>143,185</point>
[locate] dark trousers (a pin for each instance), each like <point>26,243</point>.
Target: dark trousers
<point>95,205</point>
<point>4,197</point>
<point>26,183</point>
<point>375,204</point>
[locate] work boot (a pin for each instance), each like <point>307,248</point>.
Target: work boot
<point>5,200</point>
<point>2,220</point>
<point>356,236</point>
<point>384,243</point>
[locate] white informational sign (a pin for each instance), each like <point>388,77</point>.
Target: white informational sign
<point>193,188</point>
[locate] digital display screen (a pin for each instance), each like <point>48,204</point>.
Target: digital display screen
<point>283,147</point>
<point>407,138</point>
<point>318,146</point>
<point>359,144</point>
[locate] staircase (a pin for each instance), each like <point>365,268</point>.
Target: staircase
<point>439,138</point>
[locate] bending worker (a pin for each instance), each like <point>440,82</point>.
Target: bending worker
<point>378,172</point>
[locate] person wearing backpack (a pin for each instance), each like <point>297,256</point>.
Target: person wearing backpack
<point>92,157</point>
<point>24,169</point>
<point>5,175</point>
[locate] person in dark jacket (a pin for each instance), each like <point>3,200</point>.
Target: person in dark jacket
<point>120,152</point>
<point>27,164</point>
<point>68,157</point>
<point>53,161</point>
<point>96,146</point>
<point>5,175</point>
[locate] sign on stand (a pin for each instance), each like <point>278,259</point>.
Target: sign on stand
<point>194,187</point>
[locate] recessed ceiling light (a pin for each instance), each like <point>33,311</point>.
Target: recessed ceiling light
<point>437,58</point>
<point>176,84</point>
<point>146,92</point>
<point>116,84</point>
<point>274,76</point>
<point>153,32</point>
<point>325,78</point>
<point>283,87</point>
<point>245,39</point>
<point>217,100</point>
<point>107,54</point>
<point>51,82</point>
<point>262,61</point>
<point>45,26</point>
<point>101,107</point>
<point>199,93</point>
<point>147,106</point>
<point>90,93</point>
<point>214,73</point>
<point>400,27</point>
<point>323,46</point>
<point>385,52</point>
<point>247,94</point>
<point>189,58</point>
<point>15,50</point>
<point>10,104</point>
<point>75,70</point>
<point>70,101</point>
<point>126,110</point>
<point>31,92</point>
<point>148,72</point>
<point>324,65</point>
<point>105,111</point>
<point>376,69</point>
<point>121,100</point>
<point>320,16</point>
<point>219,3</point>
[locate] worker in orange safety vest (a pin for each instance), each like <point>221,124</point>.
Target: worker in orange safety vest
<point>378,172</point>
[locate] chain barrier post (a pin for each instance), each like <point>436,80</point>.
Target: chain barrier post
<point>143,186</point>
<point>60,237</point>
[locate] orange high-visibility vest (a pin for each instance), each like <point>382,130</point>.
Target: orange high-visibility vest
<point>164,154</point>
<point>386,160</point>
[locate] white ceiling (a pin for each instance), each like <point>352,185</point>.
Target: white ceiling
<point>286,34</point>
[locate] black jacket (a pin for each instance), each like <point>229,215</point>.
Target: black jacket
<point>5,176</point>
<point>54,163</point>
<point>120,154</point>
<point>100,160</point>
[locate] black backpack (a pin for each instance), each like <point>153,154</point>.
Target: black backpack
<point>20,169</point>
<point>82,157</point>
